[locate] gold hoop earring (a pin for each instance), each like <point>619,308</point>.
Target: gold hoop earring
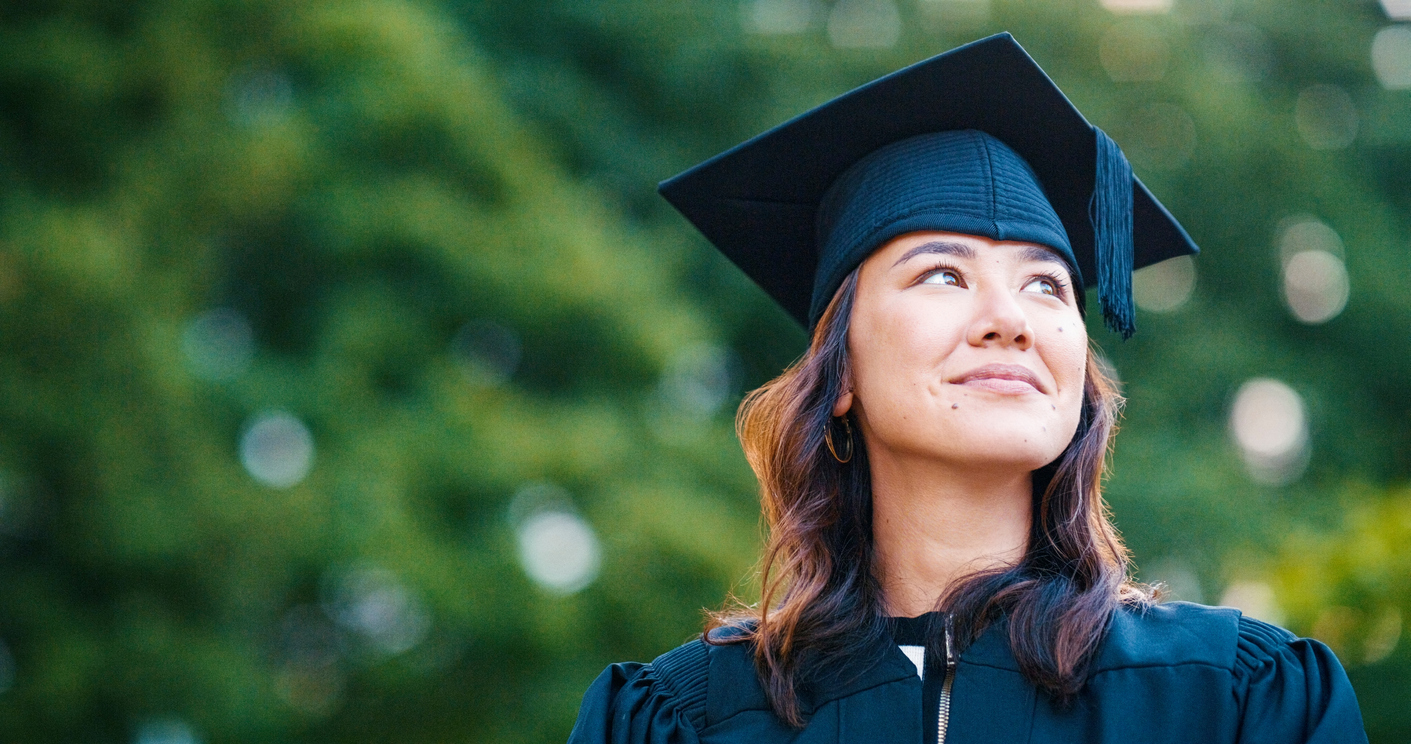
<point>828,439</point>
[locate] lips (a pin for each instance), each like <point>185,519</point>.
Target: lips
<point>1007,379</point>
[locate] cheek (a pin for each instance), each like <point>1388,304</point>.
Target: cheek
<point>1065,352</point>
<point>1067,361</point>
<point>897,348</point>
<point>877,368</point>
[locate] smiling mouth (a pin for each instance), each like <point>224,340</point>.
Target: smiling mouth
<point>1007,379</point>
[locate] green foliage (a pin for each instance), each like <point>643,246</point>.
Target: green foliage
<point>348,180</point>
<point>425,235</point>
<point>1352,590</point>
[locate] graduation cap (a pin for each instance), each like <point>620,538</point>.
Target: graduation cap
<point>977,140</point>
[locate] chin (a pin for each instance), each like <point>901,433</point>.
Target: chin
<point>999,444</point>
<point>1018,461</point>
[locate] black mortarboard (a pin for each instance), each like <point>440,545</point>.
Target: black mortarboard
<point>976,140</point>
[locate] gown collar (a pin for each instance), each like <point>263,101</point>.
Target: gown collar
<point>878,661</point>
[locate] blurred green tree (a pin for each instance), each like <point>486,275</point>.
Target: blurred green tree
<point>292,306</point>
<point>1352,589</point>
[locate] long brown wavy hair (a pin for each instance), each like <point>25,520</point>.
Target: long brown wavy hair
<point>821,594</point>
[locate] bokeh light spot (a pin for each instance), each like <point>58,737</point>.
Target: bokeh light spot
<point>1383,636</point>
<point>218,344</point>
<point>1269,424</point>
<point>1326,117</point>
<point>557,548</point>
<point>1166,286</point>
<point>277,449</point>
<point>1313,277</point>
<point>864,23</point>
<point>372,602</point>
<point>1391,57</point>
<point>559,551</point>
<point>1255,599</point>
<point>1177,578</point>
<point>1315,286</point>
<point>1138,6</point>
<point>1397,10</point>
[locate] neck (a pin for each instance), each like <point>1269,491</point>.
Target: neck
<point>934,523</point>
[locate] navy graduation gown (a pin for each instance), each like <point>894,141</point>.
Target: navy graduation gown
<point>1172,673</point>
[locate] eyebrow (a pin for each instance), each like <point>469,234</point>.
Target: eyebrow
<point>959,250</point>
<point>937,247</point>
<point>1035,253</point>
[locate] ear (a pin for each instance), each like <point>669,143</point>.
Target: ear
<point>843,404</point>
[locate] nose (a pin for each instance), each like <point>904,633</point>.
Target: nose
<point>999,321</point>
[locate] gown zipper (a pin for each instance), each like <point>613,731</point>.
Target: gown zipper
<point>943,717</point>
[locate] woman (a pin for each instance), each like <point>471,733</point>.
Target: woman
<point>940,565</point>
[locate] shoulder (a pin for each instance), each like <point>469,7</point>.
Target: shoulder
<point>733,684</point>
<point>1292,689</point>
<point>1283,687</point>
<point>1261,644</point>
<point>1173,634</point>
<point>663,701</point>
<point>675,696</point>
<point>1186,633</point>
<point>1267,654</point>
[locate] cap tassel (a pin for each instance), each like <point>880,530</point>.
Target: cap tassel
<point>1111,214</point>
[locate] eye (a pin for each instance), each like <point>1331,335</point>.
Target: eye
<point>948,277</point>
<point>1042,285</point>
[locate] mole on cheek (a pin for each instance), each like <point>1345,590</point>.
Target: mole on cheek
<point>955,405</point>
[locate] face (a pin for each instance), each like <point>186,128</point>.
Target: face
<point>966,350</point>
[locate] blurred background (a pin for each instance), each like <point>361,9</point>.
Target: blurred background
<point>355,386</point>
